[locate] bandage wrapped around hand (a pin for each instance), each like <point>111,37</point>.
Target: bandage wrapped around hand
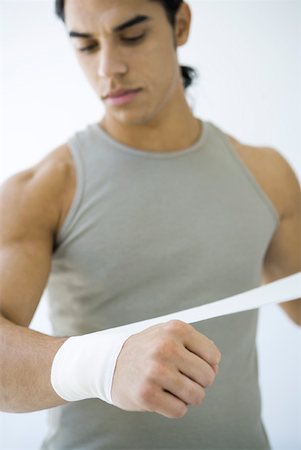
<point>84,366</point>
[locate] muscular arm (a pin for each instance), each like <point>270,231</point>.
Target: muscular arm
<point>283,257</point>
<point>29,215</point>
<point>26,357</point>
<point>171,364</point>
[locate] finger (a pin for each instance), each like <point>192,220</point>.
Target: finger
<point>202,346</point>
<point>216,368</point>
<point>168,405</point>
<point>183,388</point>
<point>195,368</point>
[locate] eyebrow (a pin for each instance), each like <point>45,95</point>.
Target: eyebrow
<point>129,23</point>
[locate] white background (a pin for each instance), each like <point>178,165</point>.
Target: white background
<point>247,53</point>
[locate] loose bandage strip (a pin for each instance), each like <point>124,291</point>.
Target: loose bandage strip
<point>84,365</point>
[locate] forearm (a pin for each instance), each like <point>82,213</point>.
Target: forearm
<point>25,364</point>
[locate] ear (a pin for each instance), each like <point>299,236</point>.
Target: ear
<point>182,24</point>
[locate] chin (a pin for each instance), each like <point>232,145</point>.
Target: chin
<point>132,118</point>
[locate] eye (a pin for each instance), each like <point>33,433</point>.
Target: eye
<point>88,49</point>
<point>93,47</point>
<point>133,39</point>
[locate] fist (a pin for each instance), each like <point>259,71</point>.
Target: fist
<point>164,369</point>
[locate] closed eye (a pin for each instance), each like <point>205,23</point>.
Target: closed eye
<point>89,48</point>
<point>133,39</point>
<point>129,40</point>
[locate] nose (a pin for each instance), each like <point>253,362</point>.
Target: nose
<point>111,62</point>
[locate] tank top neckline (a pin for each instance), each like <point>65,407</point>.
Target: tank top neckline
<point>198,144</point>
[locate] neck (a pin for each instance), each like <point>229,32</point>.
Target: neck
<point>173,129</point>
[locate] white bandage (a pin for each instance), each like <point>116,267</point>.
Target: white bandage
<point>84,365</point>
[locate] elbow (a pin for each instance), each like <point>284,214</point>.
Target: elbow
<point>5,405</point>
<point>8,405</point>
<point>297,321</point>
<point>293,310</point>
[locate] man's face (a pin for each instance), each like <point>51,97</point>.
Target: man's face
<point>129,57</point>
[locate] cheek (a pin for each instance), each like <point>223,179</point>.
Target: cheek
<point>160,53</point>
<point>89,67</point>
<point>157,64</point>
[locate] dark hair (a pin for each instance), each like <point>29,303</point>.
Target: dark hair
<point>171,8</point>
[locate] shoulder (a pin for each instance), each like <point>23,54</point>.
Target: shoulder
<point>55,166</point>
<point>273,173</point>
<point>39,191</point>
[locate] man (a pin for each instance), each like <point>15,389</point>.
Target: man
<point>149,211</point>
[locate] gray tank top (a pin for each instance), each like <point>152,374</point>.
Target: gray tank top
<point>149,234</point>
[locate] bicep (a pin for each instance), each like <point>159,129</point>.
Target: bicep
<point>28,217</point>
<point>283,256</point>
<point>24,269</point>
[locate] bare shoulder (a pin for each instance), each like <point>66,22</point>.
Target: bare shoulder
<point>42,189</point>
<point>273,173</point>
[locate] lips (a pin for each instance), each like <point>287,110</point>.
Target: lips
<point>120,93</point>
<point>121,97</point>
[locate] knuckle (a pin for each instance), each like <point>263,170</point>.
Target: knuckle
<point>195,395</point>
<point>200,396</point>
<point>164,349</point>
<point>210,356</point>
<point>156,371</point>
<point>175,325</point>
<point>146,394</point>
<point>210,378</point>
<point>211,353</point>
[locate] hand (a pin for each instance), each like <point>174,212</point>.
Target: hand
<point>164,369</point>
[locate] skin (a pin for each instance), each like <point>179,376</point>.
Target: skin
<point>160,113</point>
<point>171,364</point>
